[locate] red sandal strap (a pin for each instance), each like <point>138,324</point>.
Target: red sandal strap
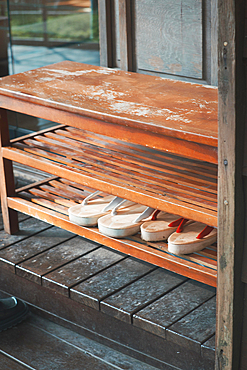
<point>181,225</point>
<point>180,222</point>
<point>207,230</point>
<point>155,214</point>
<point>176,222</point>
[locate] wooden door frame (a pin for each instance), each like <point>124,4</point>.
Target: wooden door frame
<point>232,97</point>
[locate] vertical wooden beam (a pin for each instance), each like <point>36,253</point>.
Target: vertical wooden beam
<point>105,33</point>
<point>230,191</point>
<point>125,35</point>
<point>214,42</point>
<point>7,185</point>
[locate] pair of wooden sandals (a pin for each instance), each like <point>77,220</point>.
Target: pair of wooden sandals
<point>119,218</point>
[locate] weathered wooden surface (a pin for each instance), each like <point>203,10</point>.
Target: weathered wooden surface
<point>28,227</point>
<point>159,114</point>
<point>37,343</point>
<point>208,348</point>
<point>125,34</point>
<point>105,33</point>
<point>82,268</point>
<point>231,212</point>
<point>110,279</point>
<point>10,363</point>
<point>177,185</point>
<point>139,294</point>
<point>189,266</point>
<point>102,285</point>
<point>7,183</point>
<point>197,326</point>
<point>168,34</point>
<point>115,333</point>
<point>28,248</point>
<point>35,268</point>
<point>161,314</point>
<point>126,99</point>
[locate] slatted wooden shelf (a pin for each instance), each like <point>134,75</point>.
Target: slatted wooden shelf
<point>49,201</point>
<point>126,301</point>
<point>143,138</point>
<point>160,180</point>
<point>169,115</point>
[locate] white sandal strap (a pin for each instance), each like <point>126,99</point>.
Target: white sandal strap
<point>113,204</point>
<point>146,213</point>
<point>90,196</point>
<point>119,204</point>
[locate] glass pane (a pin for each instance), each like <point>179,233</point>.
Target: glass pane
<point>169,37</point>
<point>43,32</point>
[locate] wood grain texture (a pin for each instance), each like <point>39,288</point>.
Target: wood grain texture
<point>9,363</point>
<point>208,348</point>
<point>161,314</point>
<point>90,354</point>
<point>174,35</point>
<point>94,290</point>
<point>38,266</point>
<point>60,354</point>
<point>232,100</point>
<point>214,43</point>
<point>139,294</point>
<point>28,228</point>
<point>71,274</point>
<point>197,326</point>
<point>34,245</point>
<point>172,183</point>
<point>133,246</point>
<point>104,354</point>
<point>7,183</point>
<point>105,33</point>
<point>94,324</point>
<point>115,334</point>
<point>126,99</point>
<point>126,35</point>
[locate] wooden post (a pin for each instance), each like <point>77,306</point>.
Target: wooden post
<point>7,184</point>
<point>214,42</point>
<point>125,35</point>
<point>230,191</point>
<point>105,33</point>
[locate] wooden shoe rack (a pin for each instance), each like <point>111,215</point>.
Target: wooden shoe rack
<point>143,138</point>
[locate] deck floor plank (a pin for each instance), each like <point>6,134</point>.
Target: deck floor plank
<point>109,281</point>
<point>8,363</point>
<point>44,240</point>
<point>60,349</point>
<point>123,304</point>
<point>161,314</point>
<point>208,348</point>
<point>84,344</point>
<point>196,327</point>
<point>119,287</point>
<point>81,269</point>
<point>54,258</point>
<point>28,227</point>
<point>21,217</point>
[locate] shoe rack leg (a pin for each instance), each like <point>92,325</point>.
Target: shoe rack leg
<point>7,184</point>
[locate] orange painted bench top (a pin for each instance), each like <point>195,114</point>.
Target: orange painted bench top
<point>176,109</point>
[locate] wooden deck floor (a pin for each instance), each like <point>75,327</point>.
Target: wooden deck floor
<point>38,343</point>
<point>103,307</point>
<point>125,303</point>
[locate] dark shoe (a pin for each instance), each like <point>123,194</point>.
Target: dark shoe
<point>12,311</point>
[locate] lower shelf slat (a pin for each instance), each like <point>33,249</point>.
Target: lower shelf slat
<point>147,176</point>
<point>200,266</point>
